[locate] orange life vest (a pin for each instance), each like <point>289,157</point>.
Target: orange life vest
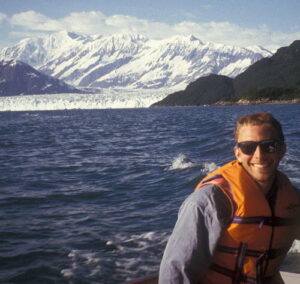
<point>252,247</point>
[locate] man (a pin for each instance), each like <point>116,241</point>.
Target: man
<point>239,223</point>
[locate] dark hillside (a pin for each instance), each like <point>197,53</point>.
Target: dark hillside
<point>205,90</point>
<point>274,78</point>
<point>18,78</point>
<point>280,70</point>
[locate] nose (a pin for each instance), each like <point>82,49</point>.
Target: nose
<point>258,152</point>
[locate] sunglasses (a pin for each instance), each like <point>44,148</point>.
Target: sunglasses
<point>266,146</point>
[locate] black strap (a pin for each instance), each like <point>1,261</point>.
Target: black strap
<point>260,267</point>
<point>262,220</point>
<point>262,257</point>
<point>271,253</point>
<point>239,263</point>
<point>230,273</point>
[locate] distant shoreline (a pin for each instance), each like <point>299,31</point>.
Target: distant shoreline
<point>258,102</point>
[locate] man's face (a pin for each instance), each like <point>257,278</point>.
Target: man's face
<point>261,166</point>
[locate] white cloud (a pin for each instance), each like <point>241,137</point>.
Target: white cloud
<point>19,35</point>
<point>2,17</point>
<point>35,21</point>
<point>95,22</point>
<point>151,29</point>
<point>233,34</point>
<point>85,22</point>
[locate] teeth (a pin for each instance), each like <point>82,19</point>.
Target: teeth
<point>260,166</point>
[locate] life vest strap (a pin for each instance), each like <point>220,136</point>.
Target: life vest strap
<point>242,250</point>
<point>271,253</point>
<point>263,220</point>
<point>231,274</point>
<point>212,178</point>
<point>260,266</point>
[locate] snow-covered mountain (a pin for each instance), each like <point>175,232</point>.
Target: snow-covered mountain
<point>131,61</point>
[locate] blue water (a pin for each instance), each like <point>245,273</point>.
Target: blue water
<point>91,196</point>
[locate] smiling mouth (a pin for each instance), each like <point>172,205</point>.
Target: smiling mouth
<point>260,166</point>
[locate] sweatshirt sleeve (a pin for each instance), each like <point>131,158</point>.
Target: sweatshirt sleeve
<point>200,221</point>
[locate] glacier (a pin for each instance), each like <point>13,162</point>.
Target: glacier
<point>109,99</point>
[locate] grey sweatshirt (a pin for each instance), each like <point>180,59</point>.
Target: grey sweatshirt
<point>202,217</point>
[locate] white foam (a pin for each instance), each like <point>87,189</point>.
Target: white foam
<point>140,253</point>
<point>209,167</point>
<point>72,254</point>
<point>148,236</point>
<point>138,242</point>
<point>181,162</point>
<point>82,262</point>
<point>67,273</point>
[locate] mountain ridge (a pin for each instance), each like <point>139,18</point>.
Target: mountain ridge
<point>131,61</point>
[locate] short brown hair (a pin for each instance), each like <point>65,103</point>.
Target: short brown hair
<point>259,118</point>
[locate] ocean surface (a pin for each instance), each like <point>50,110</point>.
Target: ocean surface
<point>91,196</point>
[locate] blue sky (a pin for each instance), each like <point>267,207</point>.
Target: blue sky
<point>269,23</point>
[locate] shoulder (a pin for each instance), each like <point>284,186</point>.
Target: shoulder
<point>208,200</point>
<point>209,193</point>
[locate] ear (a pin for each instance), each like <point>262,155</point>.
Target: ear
<point>237,153</point>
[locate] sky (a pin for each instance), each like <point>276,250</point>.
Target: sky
<point>268,23</point>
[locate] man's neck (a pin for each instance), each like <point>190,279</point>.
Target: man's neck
<point>266,186</point>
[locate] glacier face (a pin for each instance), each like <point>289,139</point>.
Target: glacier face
<point>131,61</point>
<point>112,98</point>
